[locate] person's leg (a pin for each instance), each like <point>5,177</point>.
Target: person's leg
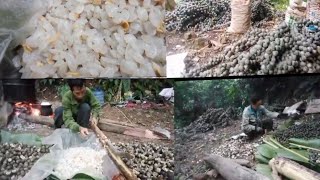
<point>83,116</point>
<point>58,119</point>
<point>250,133</point>
<point>267,124</point>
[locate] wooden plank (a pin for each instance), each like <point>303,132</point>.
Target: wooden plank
<point>313,107</point>
<point>292,109</point>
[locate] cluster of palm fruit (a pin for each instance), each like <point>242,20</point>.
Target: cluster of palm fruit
<point>314,157</point>
<point>205,14</point>
<point>306,130</point>
<point>17,159</point>
<point>285,50</point>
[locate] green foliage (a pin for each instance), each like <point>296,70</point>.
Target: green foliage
<point>281,4</point>
<point>272,149</point>
<point>62,89</point>
<point>192,98</point>
<point>312,143</point>
<point>79,176</point>
<point>267,151</point>
<point>139,88</point>
<point>49,82</point>
<point>265,170</point>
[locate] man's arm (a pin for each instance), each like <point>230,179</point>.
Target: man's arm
<point>67,115</point>
<point>95,105</point>
<point>270,113</point>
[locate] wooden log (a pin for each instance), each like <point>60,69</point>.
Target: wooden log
<point>242,162</point>
<point>112,127</point>
<point>212,174</point>
<point>109,121</point>
<point>231,170</point>
<point>292,170</point>
<point>129,175</point>
<point>45,120</point>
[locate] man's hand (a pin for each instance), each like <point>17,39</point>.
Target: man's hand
<point>259,129</point>
<point>83,131</point>
<point>282,116</point>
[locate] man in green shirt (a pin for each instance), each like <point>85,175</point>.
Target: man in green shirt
<point>77,105</point>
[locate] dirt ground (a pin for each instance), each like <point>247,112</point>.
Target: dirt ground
<point>202,46</point>
<point>190,150</point>
<point>144,118</point>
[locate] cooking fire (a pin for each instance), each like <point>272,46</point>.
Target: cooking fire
<point>27,108</point>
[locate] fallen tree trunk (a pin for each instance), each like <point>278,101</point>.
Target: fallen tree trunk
<point>45,120</point>
<point>131,131</point>
<point>292,170</point>
<point>129,175</point>
<point>231,170</point>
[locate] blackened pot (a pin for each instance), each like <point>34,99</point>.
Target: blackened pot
<point>46,110</point>
<point>19,90</point>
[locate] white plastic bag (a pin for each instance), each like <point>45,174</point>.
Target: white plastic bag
<point>240,16</point>
<point>64,139</point>
<point>18,17</point>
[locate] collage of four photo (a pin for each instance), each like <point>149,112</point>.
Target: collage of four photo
<point>160,90</point>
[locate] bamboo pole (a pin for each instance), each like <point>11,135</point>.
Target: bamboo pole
<point>129,175</point>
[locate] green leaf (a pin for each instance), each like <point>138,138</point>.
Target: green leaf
<point>82,176</point>
<point>265,170</point>
<point>52,177</point>
<point>261,159</point>
<point>289,155</point>
<point>267,151</point>
<point>313,143</point>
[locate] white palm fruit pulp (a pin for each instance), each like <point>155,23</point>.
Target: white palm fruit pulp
<point>97,38</point>
<point>79,159</point>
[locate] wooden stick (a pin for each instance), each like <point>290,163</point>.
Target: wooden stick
<point>116,159</point>
<point>116,122</point>
<point>45,120</point>
<point>293,170</point>
<point>124,115</point>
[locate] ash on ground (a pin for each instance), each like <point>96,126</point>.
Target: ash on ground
<point>20,125</point>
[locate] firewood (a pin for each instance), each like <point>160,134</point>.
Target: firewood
<point>45,120</point>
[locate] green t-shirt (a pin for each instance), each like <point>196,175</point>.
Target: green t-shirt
<point>71,107</point>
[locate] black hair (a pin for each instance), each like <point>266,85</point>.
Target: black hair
<point>75,83</point>
<point>255,98</point>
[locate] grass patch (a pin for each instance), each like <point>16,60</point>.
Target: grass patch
<point>280,4</point>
